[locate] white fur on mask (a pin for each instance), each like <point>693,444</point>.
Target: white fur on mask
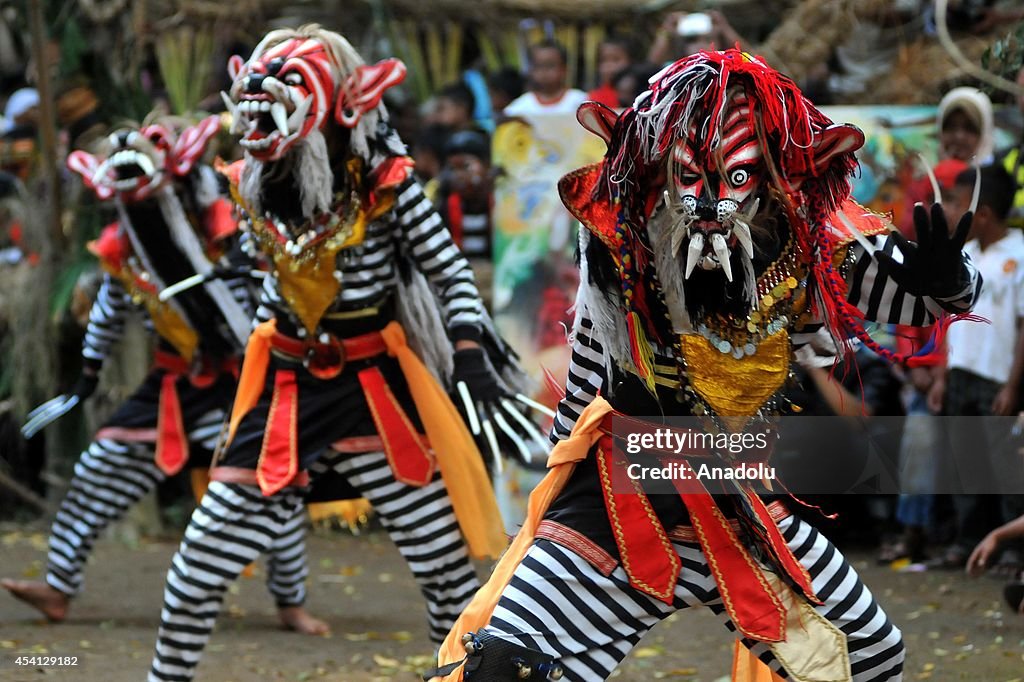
<point>670,271</point>
<point>313,171</point>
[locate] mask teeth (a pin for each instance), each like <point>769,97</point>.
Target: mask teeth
<point>694,253</point>
<point>280,116</point>
<point>751,211</point>
<point>298,116</point>
<point>721,249</point>
<point>742,232</point>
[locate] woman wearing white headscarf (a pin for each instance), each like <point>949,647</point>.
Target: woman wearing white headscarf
<point>966,125</point>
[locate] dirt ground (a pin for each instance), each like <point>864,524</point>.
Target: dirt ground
<point>955,628</point>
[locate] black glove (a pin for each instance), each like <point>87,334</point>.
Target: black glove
<point>85,386</point>
<point>934,265</point>
<point>472,367</point>
<point>54,409</point>
<point>487,405</point>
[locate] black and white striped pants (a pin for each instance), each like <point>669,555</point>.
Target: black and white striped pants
<point>111,476</point>
<point>559,604</point>
<point>234,524</point>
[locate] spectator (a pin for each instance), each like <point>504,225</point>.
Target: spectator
<point>21,113</point>
<point>453,108</point>
<point>962,116</point>
<point>548,93</point>
<point>965,126</point>
<point>922,437</point>
<point>427,153</point>
<point>504,86</point>
<point>18,142</point>
<point>630,82</point>
<point>984,369</point>
<point>987,548</point>
<point>465,192</point>
<point>1013,162</point>
<point>614,56</point>
<point>682,34</point>
<point>465,200</point>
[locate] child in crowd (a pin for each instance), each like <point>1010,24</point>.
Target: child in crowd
<point>984,369</point>
<point>454,108</point>
<point>504,86</point>
<point>614,56</point>
<point>549,92</point>
<point>987,548</point>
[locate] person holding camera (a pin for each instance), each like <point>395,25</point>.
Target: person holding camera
<point>684,33</point>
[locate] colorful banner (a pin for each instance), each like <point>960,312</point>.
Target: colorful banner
<point>894,136</point>
<point>535,275</point>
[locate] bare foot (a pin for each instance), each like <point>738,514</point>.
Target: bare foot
<point>50,602</point>
<point>297,618</point>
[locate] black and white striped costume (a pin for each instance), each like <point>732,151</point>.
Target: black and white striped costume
<point>333,413</point>
<point>370,269</point>
<point>118,467</point>
<point>570,597</point>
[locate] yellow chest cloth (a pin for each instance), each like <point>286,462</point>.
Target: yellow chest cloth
<point>736,388</point>
<point>167,323</point>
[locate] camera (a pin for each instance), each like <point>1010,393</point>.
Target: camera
<point>694,25</point>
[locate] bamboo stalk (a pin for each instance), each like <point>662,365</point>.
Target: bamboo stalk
<point>417,63</point>
<point>47,127</point>
<point>514,47</point>
<point>593,34</point>
<point>571,40</point>
<point>435,59</point>
<point>489,51</point>
<point>453,44</point>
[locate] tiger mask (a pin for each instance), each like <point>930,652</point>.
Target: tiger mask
<point>305,102</point>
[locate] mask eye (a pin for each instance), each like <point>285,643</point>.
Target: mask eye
<point>293,78</point>
<point>739,177</point>
<point>688,179</point>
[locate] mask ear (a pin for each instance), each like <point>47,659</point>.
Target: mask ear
<point>835,141</point>
<point>89,167</point>
<point>365,88</point>
<point>235,64</point>
<point>829,144</point>
<point>598,119</point>
<point>191,145</point>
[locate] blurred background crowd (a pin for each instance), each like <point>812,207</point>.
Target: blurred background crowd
<point>75,69</point>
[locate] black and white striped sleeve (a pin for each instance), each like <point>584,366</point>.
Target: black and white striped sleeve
<point>881,299</point>
<point>106,321</point>
<point>587,376</point>
<point>440,260</point>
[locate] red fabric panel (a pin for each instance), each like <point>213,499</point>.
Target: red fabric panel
<point>172,441</point>
<point>647,554</point>
<point>407,451</point>
<point>783,554</point>
<point>279,459</point>
<point>748,598</point>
